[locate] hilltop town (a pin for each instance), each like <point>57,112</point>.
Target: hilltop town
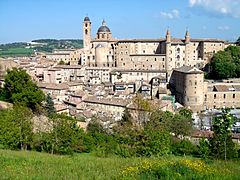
<point>102,78</point>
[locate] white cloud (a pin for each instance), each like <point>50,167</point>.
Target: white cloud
<point>221,7</point>
<point>170,15</point>
<point>223,28</point>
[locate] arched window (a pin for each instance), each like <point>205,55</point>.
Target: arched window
<point>178,57</point>
<point>86,31</point>
<point>103,36</point>
<point>85,24</point>
<point>178,50</point>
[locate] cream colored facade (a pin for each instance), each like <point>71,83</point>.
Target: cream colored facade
<point>143,54</point>
<point>96,75</point>
<point>59,57</point>
<point>192,91</point>
<point>187,85</point>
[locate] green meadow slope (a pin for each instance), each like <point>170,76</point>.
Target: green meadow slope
<point>34,165</point>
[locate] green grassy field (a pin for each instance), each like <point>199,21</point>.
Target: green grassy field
<point>16,52</point>
<point>33,165</point>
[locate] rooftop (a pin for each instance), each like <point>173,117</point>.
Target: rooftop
<point>188,70</point>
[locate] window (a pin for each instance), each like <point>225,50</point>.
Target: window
<point>178,50</point>
<point>86,31</point>
<point>190,82</point>
<point>215,96</point>
<point>85,24</point>
<point>233,95</point>
<point>224,96</point>
<point>178,57</point>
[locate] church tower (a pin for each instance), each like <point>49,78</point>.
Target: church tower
<point>187,48</point>
<point>86,33</point>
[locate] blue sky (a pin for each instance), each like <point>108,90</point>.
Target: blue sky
<point>25,20</point>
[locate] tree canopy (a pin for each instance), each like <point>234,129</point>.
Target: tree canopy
<point>20,89</point>
<point>226,64</point>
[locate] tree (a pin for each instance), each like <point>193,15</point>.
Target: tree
<point>20,89</point>
<point>126,116</point>
<point>50,106</point>
<point>226,64</point>
<point>181,125</point>
<point>221,143</point>
<point>186,113</point>
<point>66,137</point>
<point>222,65</point>
<point>143,108</point>
<point>238,40</point>
<point>235,53</point>
<point>16,128</point>
<point>23,116</point>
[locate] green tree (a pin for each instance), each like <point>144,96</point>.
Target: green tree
<point>186,113</point>
<point>49,106</point>
<point>235,53</point>
<point>204,148</point>
<point>143,108</point>
<point>223,66</point>
<point>181,125</point>
<point>238,40</point>
<point>222,146</point>
<point>126,116</point>
<point>66,137</point>
<point>23,116</point>
<point>20,89</point>
<point>226,64</point>
<point>16,130</point>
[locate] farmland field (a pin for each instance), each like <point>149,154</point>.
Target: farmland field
<point>16,52</point>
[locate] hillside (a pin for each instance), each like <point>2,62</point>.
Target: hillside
<point>40,45</point>
<point>33,165</point>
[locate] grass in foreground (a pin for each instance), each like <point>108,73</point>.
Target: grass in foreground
<point>28,165</point>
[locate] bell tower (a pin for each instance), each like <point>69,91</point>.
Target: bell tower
<point>86,33</point>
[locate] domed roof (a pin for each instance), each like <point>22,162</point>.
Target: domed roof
<point>103,28</point>
<point>86,18</point>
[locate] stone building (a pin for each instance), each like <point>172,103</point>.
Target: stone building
<point>190,89</point>
<point>187,84</point>
<point>143,54</point>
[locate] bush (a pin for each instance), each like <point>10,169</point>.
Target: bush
<point>184,147</point>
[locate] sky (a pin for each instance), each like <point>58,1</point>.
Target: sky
<point>26,20</point>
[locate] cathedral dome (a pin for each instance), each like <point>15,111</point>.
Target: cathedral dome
<point>103,28</point>
<point>86,18</point>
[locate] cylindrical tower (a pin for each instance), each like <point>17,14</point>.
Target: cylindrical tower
<point>101,57</point>
<point>194,88</point>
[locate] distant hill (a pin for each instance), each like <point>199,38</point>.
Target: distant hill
<point>39,45</point>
